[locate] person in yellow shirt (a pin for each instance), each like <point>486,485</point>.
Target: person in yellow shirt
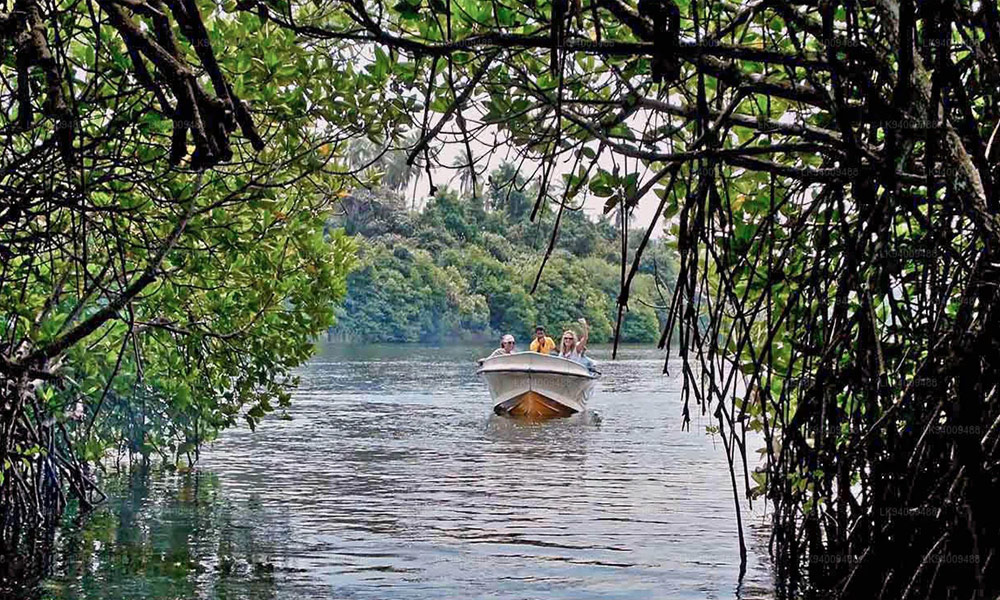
<point>542,343</point>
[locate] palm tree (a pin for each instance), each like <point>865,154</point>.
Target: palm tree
<point>390,162</point>
<point>396,174</point>
<point>466,174</point>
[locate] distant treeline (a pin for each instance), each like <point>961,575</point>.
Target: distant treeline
<point>463,267</point>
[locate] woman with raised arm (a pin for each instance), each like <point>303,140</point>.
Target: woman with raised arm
<point>574,348</point>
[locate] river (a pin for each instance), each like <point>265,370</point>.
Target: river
<point>393,480</point>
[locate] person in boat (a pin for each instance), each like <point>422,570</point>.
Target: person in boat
<point>506,346</point>
<point>574,348</point>
<point>542,343</point>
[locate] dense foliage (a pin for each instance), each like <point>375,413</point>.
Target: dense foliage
<point>165,262</point>
<point>464,265</point>
<point>828,170</point>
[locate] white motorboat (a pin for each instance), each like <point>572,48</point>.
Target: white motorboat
<point>537,386</point>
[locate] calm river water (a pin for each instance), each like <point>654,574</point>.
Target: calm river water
<point>393,480</point>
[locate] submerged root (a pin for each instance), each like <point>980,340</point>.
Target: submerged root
<point>40,475</point>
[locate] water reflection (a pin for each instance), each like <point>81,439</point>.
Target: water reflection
<point>394,480</point>
<point>167,535</point>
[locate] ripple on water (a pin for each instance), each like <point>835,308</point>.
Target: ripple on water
<point>394,480</point>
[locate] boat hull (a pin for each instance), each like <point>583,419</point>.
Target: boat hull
<point>533,407</point>
<point>534,386</point>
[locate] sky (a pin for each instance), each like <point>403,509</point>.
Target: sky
<point>487,159</point>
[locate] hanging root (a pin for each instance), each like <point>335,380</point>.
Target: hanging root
<point>40,475</point>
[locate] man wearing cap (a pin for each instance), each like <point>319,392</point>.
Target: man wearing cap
<point>506,346</point>
<point>542,343</point>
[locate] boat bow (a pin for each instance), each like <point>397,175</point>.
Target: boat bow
<point>533,385</point>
